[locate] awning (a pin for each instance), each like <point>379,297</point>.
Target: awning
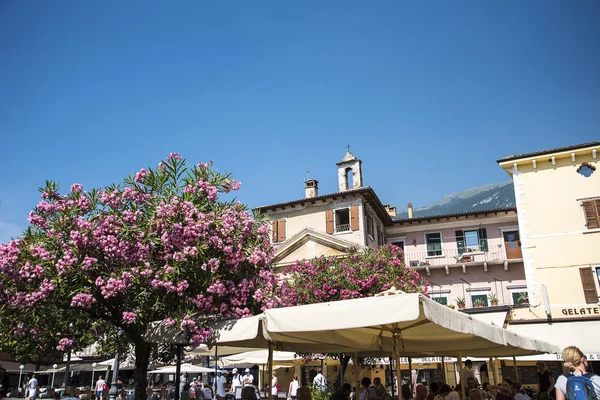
<point>583,334</point>
<point>423,328</point>
<point>190,368</point>
<point>11,366</point>
<point>497,318</point>
<point>258,357</point>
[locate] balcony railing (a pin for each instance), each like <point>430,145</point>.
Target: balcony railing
<point>452,256</point>
<point>342,228</point>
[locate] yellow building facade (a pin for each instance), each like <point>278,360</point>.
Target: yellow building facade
<point>558,205</point>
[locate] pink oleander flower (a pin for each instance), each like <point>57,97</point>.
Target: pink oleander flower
<point>129,317</point>
<point>83,300</point>
<point>76,187</point>
<point>64,344</point>
<point>141,175</point>
<point>174,156</point>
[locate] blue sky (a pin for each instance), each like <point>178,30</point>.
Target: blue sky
<point>429,94</point>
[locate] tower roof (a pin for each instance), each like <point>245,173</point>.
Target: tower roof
<point>348,157</point>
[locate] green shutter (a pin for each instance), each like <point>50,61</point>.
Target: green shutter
<point>483,244</point>
<point>460,241</point>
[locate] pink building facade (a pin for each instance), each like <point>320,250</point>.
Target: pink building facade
<point>475,257</point>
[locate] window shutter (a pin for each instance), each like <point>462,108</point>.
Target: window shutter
<point>460,241</point>
<point>590,209</point>
<point>589,286</point>
<point>274,230</point>
<point>281,230</point>
<point>354,218</point>
<point>329,221</point>
<point>483,243</point>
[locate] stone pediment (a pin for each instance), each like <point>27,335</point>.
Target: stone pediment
<point>308,244</point>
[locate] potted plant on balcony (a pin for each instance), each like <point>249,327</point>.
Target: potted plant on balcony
<point>524,298</point>
<point>460,302</point>
<point>493,299</point>
<point>478,303</point>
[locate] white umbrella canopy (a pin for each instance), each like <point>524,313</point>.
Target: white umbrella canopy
<point>190,368</point>
<point>424,328</point>
<point>258,357</point>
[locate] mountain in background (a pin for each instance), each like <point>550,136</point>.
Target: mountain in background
<point>488,197</point>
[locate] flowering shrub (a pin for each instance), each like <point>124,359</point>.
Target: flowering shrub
<point>359,274</point>
<point>159,246</point>
<point>356,275</point>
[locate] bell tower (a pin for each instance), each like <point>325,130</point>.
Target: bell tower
<point>349,172</point>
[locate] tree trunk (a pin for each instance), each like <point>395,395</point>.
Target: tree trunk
<point>339,380</point>
<point>142,357</point>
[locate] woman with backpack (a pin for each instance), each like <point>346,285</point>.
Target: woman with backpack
<point>101,388</point>
<point>577,384</point>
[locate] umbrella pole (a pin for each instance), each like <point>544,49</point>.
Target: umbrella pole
<point>516,368</point>
<point>356,370</point>
<point>270,372</point>
<point>491,374</point>
<point>397,361</point>
<point>460,380</point>
<point>444,369</point>
<point>410,385</point>
<point>216,371</point>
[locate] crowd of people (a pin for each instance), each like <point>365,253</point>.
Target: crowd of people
<point>563,388</point>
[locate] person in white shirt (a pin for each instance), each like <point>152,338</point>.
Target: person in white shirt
<point>320,381</point>
<point>293,389</point>
<point>467,372</point>
<point>221,385</point>
<point>248,379</point>
<point>236,381</point>
<point>32,387</point>
<point>274,385</point>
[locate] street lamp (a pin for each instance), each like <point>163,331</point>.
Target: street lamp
<point>20,375</point>
<point>94,365</point>
<point>53,373</point>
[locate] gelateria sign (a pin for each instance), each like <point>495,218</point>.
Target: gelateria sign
<point>581,311</point>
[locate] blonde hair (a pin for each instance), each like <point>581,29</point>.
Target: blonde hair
<point>572,357</point>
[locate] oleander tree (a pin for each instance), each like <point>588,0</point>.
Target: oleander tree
<point>359,274</point>
<point>160,246</point>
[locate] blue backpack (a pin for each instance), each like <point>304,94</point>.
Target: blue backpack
<point>580,387</point>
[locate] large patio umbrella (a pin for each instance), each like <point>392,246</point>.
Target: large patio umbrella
<point>190,368</point>
<point>418,325</point>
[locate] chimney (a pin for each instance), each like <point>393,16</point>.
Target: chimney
<point>390,210</point>
<point>410,211</point>
<point>311,188</point>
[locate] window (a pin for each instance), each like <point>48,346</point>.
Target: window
<point>471,241</point>
<point>278,230</point>
<point>519,297</point>
<point>479,299</point>
<point>586,170</point>
<point>342,220</point>
<point>380,240</point>
<point>434,244</point>
<point>440,299</point>
<point>591,211</point>
<point>370,230</point>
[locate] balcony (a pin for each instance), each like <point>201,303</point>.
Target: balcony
<point>342,228</point>
<point>451,257</point>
